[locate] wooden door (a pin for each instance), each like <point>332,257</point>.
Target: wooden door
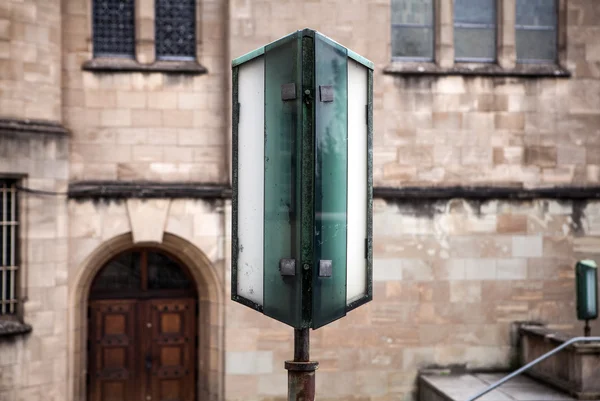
<point>113,350</point>
<point>171,346</point>
<point>142,330</point>
<point>148,358</point>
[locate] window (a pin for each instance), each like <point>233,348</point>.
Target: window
<point>412,29</point>
<point>536,31</point>
<point>113,28</point>
<point>479,37</point>
<point>475,30</point>
<point>175,29</point>
<point>9,222</point>
<point>141,273</point>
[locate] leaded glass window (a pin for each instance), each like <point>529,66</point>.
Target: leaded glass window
<point>142,273</point>
<point>175,29</point>
<point>536,31</point>
<point>412,29</point>
<point>165,273</point>
<point>113,28</point>
<point>9,262</point>
<point>475,30</point>
<point>121,273</point>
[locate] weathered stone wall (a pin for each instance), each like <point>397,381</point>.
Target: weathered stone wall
<point>449,280</point>
<point>444,130</point>
<point>146,125</point>
<point>450,277</point>
<point>191,230</point>
<point>30,59</point>
<point>33,366</point>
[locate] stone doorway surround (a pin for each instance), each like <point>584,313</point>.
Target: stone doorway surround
<point>147,224</point>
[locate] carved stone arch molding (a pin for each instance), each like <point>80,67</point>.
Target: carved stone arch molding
<point>210,379</point>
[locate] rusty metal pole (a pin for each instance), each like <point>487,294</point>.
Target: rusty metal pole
<point>301,371</point>
<point>587,329</point>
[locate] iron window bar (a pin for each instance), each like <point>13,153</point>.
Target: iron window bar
<point>533,363</point>
<point>536,27</point>
<point>8,264</point>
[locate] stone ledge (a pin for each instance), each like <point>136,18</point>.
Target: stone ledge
<point>13,328</point>
<point>151,189</point>
<point>147,190</point>
<point>484,70</point>
<point>130,65</point>
<point>15,125</point>
<point>487,193</point>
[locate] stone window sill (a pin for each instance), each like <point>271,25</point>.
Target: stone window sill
<point>129,65</point>
<point>9,328</point>
<point>485,70</point>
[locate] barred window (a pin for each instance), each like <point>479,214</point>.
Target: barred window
<point>475,30</point>
<point>412,29</point>
<point>113,28</point>
<point>536,31</point>
<point>9,223</point>
<point>175,29</point>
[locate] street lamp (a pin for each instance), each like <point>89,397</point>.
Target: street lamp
<point>302,182</point>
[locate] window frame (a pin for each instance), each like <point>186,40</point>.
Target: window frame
<point>127,56</point>
<point>156,38</point>
<point>505,64</point>
<point>434,29</point>
<point>144,58</point>
<point>494,27</point>
<point>555,28</point>
<point>10,295</point>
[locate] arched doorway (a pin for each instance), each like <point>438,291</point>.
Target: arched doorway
<point>142,329</point>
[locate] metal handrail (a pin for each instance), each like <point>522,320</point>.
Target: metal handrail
<point>532,363</point>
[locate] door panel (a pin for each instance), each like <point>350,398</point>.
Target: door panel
<point>112,350</point>
<point>173,348</point>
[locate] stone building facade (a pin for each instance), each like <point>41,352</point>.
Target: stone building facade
<point>486,191</point>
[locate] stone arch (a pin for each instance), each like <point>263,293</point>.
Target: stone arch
<point>211,365</point>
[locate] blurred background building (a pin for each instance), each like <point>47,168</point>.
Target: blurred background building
<point>115,193</point>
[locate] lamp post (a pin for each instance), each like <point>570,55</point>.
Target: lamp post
<point>302,187</point>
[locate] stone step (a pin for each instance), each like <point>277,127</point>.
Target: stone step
<point>461,387</point>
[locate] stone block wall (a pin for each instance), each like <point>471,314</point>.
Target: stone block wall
<point>33,366</point>
<point>190,229</point>
<point>30,59</point>
<point>450,278</point>
<point>451,130</point>
<point>148,125</point>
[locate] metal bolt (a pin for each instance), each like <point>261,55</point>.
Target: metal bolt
<point>307,92</point>
<point>306,266</point>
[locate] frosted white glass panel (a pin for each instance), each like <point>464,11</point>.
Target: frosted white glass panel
<point>251,93</point>
<point>357,182</point>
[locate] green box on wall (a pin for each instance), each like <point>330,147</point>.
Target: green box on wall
<point>586,282</point>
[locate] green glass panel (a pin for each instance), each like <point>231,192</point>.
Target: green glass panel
<point>282,294</point>
<point>331,143</point>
